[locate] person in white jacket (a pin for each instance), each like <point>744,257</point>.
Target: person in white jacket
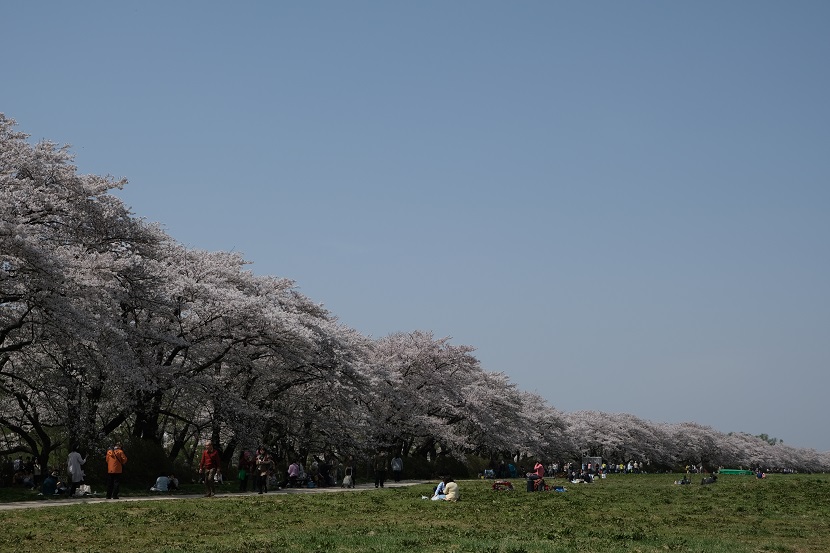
<point>76,473</point>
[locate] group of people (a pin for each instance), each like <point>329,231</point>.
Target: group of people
<point>256,468</point>
<point>259,469</point>
<point>381,463</point>
<point>23,472</point>
<point>446,490</point>
<point>53,485</point>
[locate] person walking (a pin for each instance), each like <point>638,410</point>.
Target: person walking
<point>76,473</point>
<point>210,467</point>
<point>116,459</point>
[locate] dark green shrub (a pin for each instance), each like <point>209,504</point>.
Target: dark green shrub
<point>146,461</point>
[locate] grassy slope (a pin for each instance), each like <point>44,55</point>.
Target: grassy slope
<point>644,513</point>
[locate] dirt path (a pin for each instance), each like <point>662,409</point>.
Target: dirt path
<point>62,502</point>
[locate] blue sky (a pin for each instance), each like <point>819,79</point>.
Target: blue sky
<point>622,205</point>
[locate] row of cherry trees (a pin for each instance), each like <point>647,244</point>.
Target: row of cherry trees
<point>110,328</point>
<point>621,437</point>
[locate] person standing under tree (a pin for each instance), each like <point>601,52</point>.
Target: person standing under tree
<point>293,474</point>
<point>116,459</point>
<point>397,468</point>
<point>246,467</point>
<point>210,467</point>
<point>76,473</point>
<point>539,469</point>
<point>380,464</point>
<point>264,464</point>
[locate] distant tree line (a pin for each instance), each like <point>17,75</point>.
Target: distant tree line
<point>111,329</point>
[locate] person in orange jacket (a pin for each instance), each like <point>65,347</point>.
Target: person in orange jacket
<point>116,459</point>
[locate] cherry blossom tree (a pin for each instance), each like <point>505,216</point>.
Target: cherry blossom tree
<point>63,239</point>
<point>108,326</point>
<point>429,396</point>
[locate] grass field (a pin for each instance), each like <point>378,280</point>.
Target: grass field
<point>633,513</point>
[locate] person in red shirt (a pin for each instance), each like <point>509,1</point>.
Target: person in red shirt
<point>210,467</point>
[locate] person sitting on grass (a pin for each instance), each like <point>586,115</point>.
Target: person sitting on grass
<point>447,490</point>
<point>162,484</point>
<point>451,490</point>
<point>25,478</point>
<point>62,488</point>
<point>438,492</point>
<point>50,485</point>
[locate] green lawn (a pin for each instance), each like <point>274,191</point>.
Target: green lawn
<point>634,513</point>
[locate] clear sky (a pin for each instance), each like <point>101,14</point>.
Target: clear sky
<point>624,206</point>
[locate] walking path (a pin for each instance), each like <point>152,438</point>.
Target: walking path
<point>62,502</point>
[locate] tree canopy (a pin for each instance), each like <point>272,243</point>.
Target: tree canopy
<point>111,328</point>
